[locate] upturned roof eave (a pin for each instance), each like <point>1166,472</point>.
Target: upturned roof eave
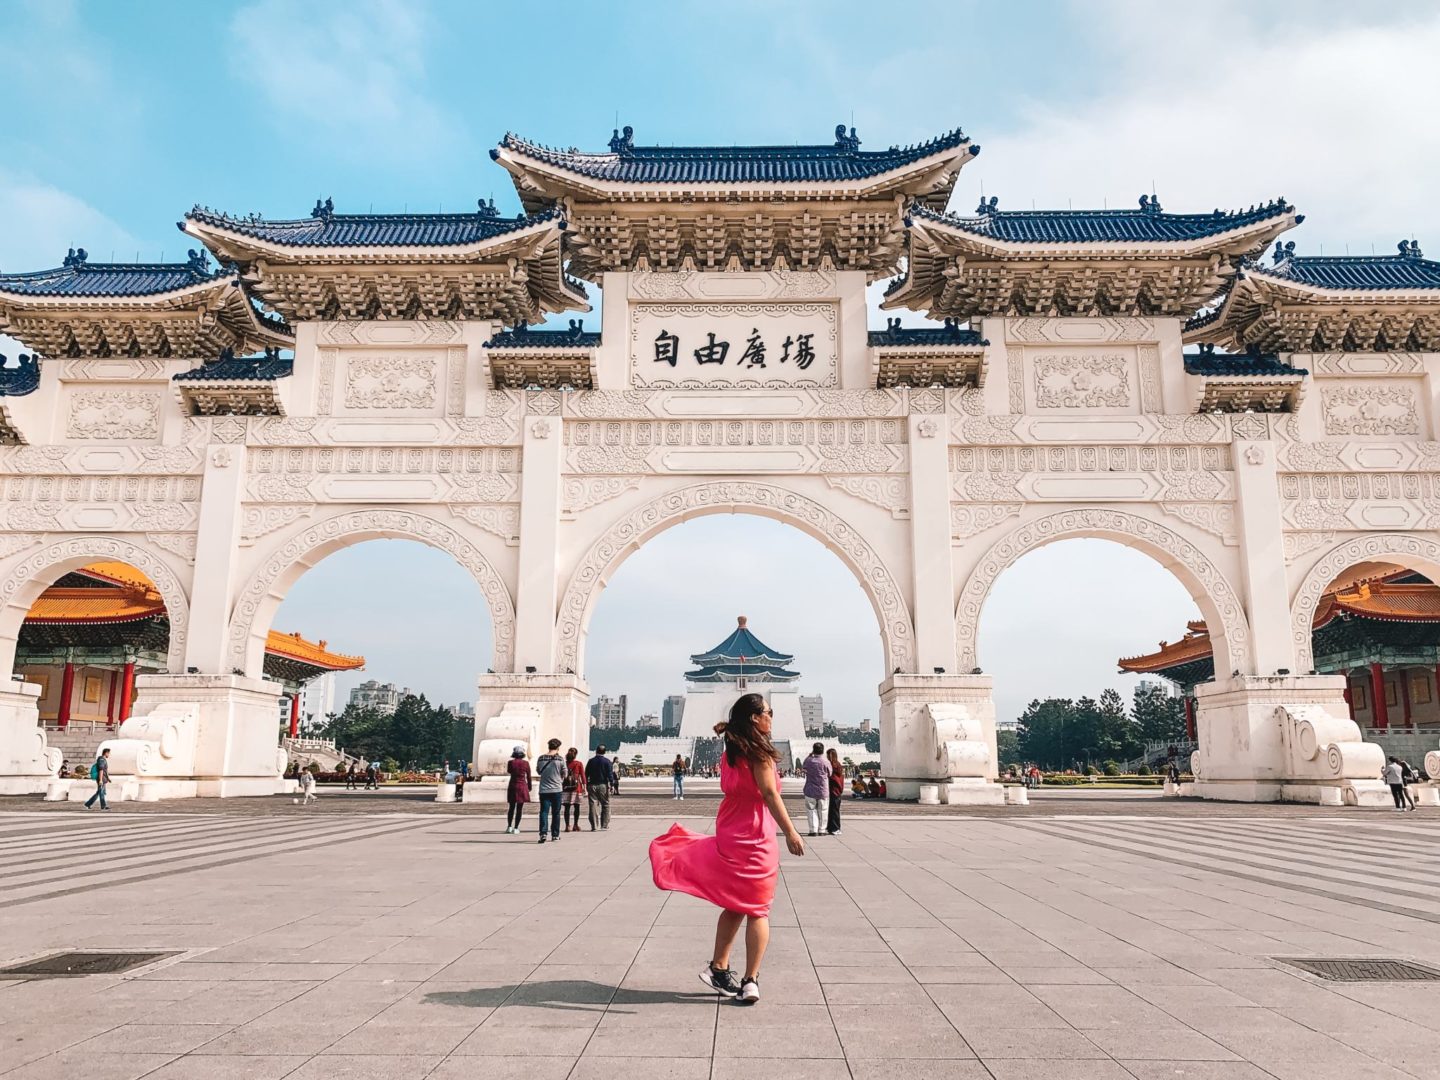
<point>167,300</point>
<point>1255,237</point>
<point>539,182</point>
<point>1305,291</point>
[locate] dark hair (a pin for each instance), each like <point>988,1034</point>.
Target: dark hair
<point>600,749</point>
<point>742,738</point>
<point>554,744</point>
<point>818,748</point>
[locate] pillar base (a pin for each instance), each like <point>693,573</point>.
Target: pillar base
<point>516,709</point>
<point>27,762</point>
<point>1283,739</point>
<point>211,736</point>
<point>939,729</point>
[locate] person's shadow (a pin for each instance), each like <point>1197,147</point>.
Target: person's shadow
<point>566,994</point>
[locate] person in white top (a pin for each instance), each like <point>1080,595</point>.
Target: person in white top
<point>1395,777</point>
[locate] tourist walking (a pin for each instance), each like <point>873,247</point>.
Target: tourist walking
<point>100,773</point>
<point>350,777</point>
<point>550,770</point>
<point>677,776</point>
<point>573,791</point>
<point>307,786</point>
<point>1408,776</point>
<point>817,788</point>
<point>599,775</point>
<point>736,868</point>
<point>837,792</point>
<point>517,794</point>
<point>1395,777</point>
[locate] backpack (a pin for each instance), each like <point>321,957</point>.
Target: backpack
<point>95,771</point>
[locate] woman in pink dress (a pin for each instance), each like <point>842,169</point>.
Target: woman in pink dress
<point>736,868</point>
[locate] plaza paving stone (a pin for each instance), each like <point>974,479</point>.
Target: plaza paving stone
<point>1089,936</point>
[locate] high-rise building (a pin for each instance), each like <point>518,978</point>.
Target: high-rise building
<point>866,727</point>
<point>812,713</point>
<point>606,712</point>
<point>372,694</point>
<point>671,713</point>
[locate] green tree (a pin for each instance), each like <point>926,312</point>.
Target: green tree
<point>1157,715</point>
<point>1007,745</point>
<point>1043,736</point>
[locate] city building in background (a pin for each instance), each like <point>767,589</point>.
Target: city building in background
<point>670,714</point>
<point>385,697</point>
<point>812,713</point>
<point>608,712</point>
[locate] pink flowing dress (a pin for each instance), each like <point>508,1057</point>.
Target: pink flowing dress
<point>735,869</point>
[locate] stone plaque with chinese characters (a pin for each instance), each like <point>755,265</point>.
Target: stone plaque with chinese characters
<point>759,346</point>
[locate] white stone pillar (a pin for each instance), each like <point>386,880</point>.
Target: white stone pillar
<point>1262,559</point>
<point>27,763</point>
<point>939,730</point>
<point>933,584</point>
<point>536,593</point>
<point>216,543</point>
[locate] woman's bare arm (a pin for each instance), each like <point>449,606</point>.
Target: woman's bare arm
<point>769,785</point>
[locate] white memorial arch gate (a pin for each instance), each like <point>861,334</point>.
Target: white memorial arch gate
<point>735,373</point>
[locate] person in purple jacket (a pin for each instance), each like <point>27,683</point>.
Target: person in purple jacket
<point>817,789</point>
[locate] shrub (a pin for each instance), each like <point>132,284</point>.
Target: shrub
<point>1112,768</point>
<point>1143,770</point>
<point>1091,770</point>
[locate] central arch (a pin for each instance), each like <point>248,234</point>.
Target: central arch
<point>24,584</point>
<point>1212,593</point>
<point>255,609</point>
<point>626,536</point>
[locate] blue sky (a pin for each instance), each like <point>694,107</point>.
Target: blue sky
<point>122,116</point>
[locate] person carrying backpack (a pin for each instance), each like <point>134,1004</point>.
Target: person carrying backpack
<point>551,770</point>
<point>100,773</point>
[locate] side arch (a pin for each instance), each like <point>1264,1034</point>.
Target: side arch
<point>23,585</point>
<point>1415,552</point>
<point>1213,594</point>
<point>626,536</point>
<point>256,606</point>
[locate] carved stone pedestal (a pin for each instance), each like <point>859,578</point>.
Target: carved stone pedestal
<point>208,735</point>
<point>527,710</point>
<point>27,763</point>
<point>939,729</point>
<point>1283,739</point>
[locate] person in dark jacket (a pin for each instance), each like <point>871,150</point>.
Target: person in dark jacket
<point>518,793</point>
<point>599,779</point>
<point>837,792</point>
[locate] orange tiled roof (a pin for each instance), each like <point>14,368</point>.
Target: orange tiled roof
<point>120,573</point>
<point>1377,598</point>
<point>295,647</point>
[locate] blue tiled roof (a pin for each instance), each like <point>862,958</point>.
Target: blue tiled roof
<point>725,672</point>
<point>325,228</point>
<point>843,160</point>
<point>20,378</point>
<point>522,337</point>
<point>1407,270</point>
<point>949,334</point>
<point>80,278</point>
<point>1208,362</point>
<point>227,366</point>
<point>1148,224</point>
<point>742,643</point>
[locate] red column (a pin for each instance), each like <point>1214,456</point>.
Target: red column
<point>1190,718</point>
<point>1405,697</point>
<point>67,688</point>
<point>1379,718</point>
<point>294,716</point>
<point>110,705</point>
<point>127,690</point>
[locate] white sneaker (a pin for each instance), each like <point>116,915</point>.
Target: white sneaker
<point>749,992</point>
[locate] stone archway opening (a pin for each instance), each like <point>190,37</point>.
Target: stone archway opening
<point>1365,613</point>
<point>672,604</point>
<point>376,642</point>
<point>1069,694</point>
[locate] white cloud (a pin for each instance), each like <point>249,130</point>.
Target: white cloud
<point>42,223</point>
<point>348,76</point>
<point>1238,107</point>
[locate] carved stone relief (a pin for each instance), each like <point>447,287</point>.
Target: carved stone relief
<point>1216,518</point>
<point>387,332</point>
<point>503,521</point>
<point>396,381</point>
<point>578,495</point>
<point>1360,500</point>
<point>259,521</point>
<point>1082,381</point>
<point>1370,410</point>
<point>970,519</point>
<point>890,493</point>
<point>1297,544</point>
<point>114,414</point>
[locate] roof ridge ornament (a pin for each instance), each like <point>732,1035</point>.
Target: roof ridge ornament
<point>486,208</point>
<point>850,142</point>
<point>76,257</point>
<point>323,210</point>
<point>1150,204</point>
<point>622,140</point>
<point>988,206</point>
<point>198,261</point>
<point>1283,251</point>
<point>1410,249</point>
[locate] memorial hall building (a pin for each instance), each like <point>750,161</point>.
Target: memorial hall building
<point>1188,381</point>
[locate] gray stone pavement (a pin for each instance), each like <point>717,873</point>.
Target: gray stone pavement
<point>1137,943</point>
